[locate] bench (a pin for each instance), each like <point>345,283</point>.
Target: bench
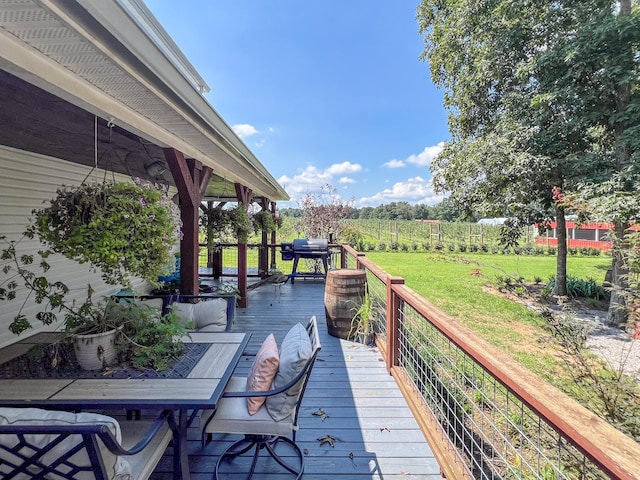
<point>38,443</point>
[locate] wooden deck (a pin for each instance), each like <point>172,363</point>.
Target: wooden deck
<point>376,436</point>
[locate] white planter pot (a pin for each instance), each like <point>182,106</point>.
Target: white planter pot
<point>96,351</point>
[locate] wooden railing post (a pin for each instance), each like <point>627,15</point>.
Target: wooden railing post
<point>242,274</point>
<point>273,264</point>
<point>358,264</point>
<point>393,322</point>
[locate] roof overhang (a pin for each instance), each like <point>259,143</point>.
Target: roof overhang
<point>112,58</point>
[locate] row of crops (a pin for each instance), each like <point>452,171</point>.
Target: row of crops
<point>407,231</point>
<point>381,235</point>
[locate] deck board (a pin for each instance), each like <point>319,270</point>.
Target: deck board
<point>377,437</point>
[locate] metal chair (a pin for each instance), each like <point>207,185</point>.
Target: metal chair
<point>37,443</point>
<point>261,431</point>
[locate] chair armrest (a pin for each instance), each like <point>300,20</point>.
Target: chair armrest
<point>167,416</point>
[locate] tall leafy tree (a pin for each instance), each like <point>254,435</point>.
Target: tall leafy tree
<point>534,99</point>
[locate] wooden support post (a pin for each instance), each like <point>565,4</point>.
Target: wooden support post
<point>244,198</point>
<point>217,264</point>
<point>191,179</point>
<point>263,252</point>
<point>393,322</point>
<point>273,265</point>
<point>206,209</point>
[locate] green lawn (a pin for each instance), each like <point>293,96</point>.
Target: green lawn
<point>454,283</point>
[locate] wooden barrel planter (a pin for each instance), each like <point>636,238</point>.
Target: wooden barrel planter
<point>343,295</point>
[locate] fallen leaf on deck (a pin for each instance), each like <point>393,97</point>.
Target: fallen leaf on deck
<point>327,439</point>
<point>321,413</point>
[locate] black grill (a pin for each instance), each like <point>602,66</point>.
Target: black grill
<point>314,248</point>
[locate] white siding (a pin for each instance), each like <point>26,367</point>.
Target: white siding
<point>28,181</point>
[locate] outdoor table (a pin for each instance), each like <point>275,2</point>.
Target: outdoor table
<point>201,388</point>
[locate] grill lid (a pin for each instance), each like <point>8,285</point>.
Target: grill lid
<point>310,244</point>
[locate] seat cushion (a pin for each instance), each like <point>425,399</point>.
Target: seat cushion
<point>263,371</point>
<point>295,351</point>
<point>207,314</point>
<point>116,467</point>
<point>156,303</point>
<point>232,416</point>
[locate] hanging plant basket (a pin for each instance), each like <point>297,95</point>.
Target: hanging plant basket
<point>264,221</point>
<point>122,229</point>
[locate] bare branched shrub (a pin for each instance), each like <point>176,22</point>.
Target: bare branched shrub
<point>605,390</point>
<point>322,214</point>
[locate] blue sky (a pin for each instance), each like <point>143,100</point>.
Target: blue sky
<point>325,92</point>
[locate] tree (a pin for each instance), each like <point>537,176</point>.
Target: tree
<point>446,211</point>
<point>322,213</point>
<point>529,86</point>
<point>422,211</point>
<point>365,212</point>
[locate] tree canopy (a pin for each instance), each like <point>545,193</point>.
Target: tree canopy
<point>542,95</point>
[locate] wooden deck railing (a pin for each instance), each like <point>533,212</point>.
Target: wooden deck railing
<point>484,415</point>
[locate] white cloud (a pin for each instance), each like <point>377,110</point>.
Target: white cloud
<point>308,180</point>
<point>395,164</point>
<point>344,167</point>
<point>414,190</point>
<point>312,179</point>
<point>346,180</point>
<point>244,130</point>
<point>425,158</point>
<point>422,159</point>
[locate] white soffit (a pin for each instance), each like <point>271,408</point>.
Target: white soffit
<point>121,65</point>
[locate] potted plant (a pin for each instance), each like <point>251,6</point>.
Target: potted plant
<point>362,323</point>
<point>121,229</point>
<point>214,223</point>
<point>240,223</point>
<point>218,222</point>
<point>264,221</point>
<point>101,333</point>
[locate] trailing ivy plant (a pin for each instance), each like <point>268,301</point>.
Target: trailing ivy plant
<point>240,223</point>
<point>264,221</point>
<point>124,230</point>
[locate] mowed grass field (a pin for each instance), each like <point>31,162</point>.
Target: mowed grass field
<point>458,285</point>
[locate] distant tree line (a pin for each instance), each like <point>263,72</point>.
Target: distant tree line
<point>444,211</point>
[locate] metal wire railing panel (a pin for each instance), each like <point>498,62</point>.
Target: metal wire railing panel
<point>497,434</point>
<point>229,259</point>
<point>378,298</point>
